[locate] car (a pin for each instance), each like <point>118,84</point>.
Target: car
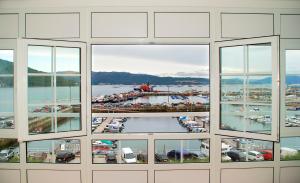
<point>161,157</point>
<point>176,154</point>
<point>257,156</point>
<point>128,156</point>
<point>111,158</point>
<point>198,130</point>
<point>267,154</point>
<point>6,154</point>
<point>236,155</point>
<point>64,156</point>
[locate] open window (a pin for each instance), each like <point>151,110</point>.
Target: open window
<point>249,88</point>
<point>53,85</point>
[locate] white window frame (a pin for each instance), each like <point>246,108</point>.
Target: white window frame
<point>274,40</point>
<point>23,88</point>
<point>11,44</point>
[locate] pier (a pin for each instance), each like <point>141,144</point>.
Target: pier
<point>102,126</point>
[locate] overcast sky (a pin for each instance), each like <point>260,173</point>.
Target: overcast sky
<point>7,55</point>
<point>160,60</point>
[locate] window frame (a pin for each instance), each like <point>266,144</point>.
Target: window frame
<point>23,87</point>
<point>11,44</point>
<point>274,40</point>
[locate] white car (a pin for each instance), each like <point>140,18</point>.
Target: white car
<point>6,154</point>
<point>255,156</point>
<point>128,156</point>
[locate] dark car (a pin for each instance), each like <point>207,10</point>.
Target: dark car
<point>111,157</point>
<point>161,158</point>
<point>186,154</point>
<point>64,156</point>
<point>236,155</point>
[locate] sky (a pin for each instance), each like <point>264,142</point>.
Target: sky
<point>159,60</point>
<point>7,55</point>
<point>40,58</point>
<point>293,62</point>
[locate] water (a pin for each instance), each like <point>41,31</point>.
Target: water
<point>153,124</point>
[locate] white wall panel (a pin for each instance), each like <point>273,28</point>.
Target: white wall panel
<point>182,25</point>
<point>51,176</point>
<point>120,176</point>
<point>290,26</point>
<point>9,25</point>
<point>182,176</point>
<point>119,25</point>
<point>246,25</point>
<point>53,25</point>
<point>290,175</point>
<point>250,175</point>
<point>10,176</point>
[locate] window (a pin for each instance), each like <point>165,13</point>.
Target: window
<point>292,88</point>
<point>249,89</point>
<point>54,151</point>
<point>9,151</point>
<point>150,79</point>
<point>290,148</point>
<point>120,151</point>
<point>55,89</point>
<point>182,151</point>
<point>244,150</point>
<point>7,89</point>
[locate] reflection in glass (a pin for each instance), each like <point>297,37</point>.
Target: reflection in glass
<point>150,78</point>
<point>40,90</point>
<point>243,150</point>
<point>6,94</point>
<point>74,108</point>
<point>39,59</point>
<point>259,118</point>
<point>6,61</point>
<point>7,122</point>
<point>9,151</point>
<point>67,89</point>
<point>232,88</point>
<point>182,151</point>
<point>290,148</point>
<point>292,89</point>
<point>232,117</point>
<point>260,58</point>
<point>40,124</point>
<point>40,108</point>
<point>67,60</point>
<point>232,59</point>
<point>54,151</point>
<point>65,124</point>
<point>120,151</point>
<point>259,89</point>
<point>181,124</point>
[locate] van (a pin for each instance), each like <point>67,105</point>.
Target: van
<point>128,156</point>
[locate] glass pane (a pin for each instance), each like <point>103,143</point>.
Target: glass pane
<point>40,90</point>
<point>259,89</point>
<point>182,151</point>
<point>7,122</point>
<point>292,98</point>
<point>39,59</point>
<point>260,58</point>
<point>120,151</point>
<point>259,118</point>
<point>65,124</point>
<point>6,61</point>
<point>54,151</point>
<point>6,94</point>
<point>9,151</point>
<point>150,78</point>
<point>182,124</point>
<point>232,59</point>
<point>67,60</point>
<point>40,108</point>
<point>75,108</point>
<point>67,89</point>
<point>232,117</point>
<point>243,150</point>
<point>40,124</point>
<point>290,148</point>
<point>232,88</point>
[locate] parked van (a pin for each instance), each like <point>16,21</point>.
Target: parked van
<point>128,156</point>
